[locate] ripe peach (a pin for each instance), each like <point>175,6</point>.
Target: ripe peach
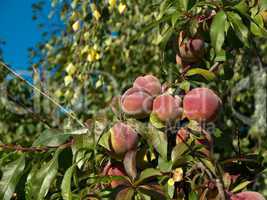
<point>115,170</point>
<point>201,104</point>
<point>191,49</point>
<point>149,83</point>
<point>123,138</point>
<point>136,102</point>
<point>248,195</point>
<point>167,107</point>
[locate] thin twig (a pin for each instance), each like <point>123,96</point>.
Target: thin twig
<point>44,94</point>
<point>214,67</point>
<point>13,147</point>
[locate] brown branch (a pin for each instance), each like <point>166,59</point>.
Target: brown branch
<point>13,147</point>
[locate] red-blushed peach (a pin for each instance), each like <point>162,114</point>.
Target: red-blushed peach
<point>149,83</point>
<point>190,49</point>
<point>166,107</point>
<point>115,170</point>
<point>182,135</point>
<point>136,102</point>
<point>123,138</point>
<point>201,104</point>
<point>248,195</point>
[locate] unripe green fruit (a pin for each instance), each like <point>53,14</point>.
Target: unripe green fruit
<point>115,170</point>
<point>201,104</point>
<point>136,102</point>
<point>191,49</point>
<point>167,107</point>
<point>123,138</point>
<point>247,196</point>
<point>149,83</point>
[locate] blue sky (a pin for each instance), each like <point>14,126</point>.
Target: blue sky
<point>18,30</point>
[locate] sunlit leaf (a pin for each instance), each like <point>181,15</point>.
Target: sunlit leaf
<point>12,173</point>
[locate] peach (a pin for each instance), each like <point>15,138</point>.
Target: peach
<point>136,102</point>
<point>166,107</point>
<point>201,104</point>
<point>123,138</point>
<point>248,195</point>
<point>149,83</point>
<point>191,49</point>
<point>115,170</point>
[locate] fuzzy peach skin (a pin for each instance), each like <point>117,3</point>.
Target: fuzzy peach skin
<point>190,49</point>
<point>149,83</point>
<point>136,102</point>
<point>123,138</point>
<point>201,104</point>
<point>166,107</point>
<point>248,195</point>
<point>115,170</point>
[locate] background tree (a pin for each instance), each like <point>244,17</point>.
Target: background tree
<point>98,42</point>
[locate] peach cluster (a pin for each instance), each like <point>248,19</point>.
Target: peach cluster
<point>146,97</point>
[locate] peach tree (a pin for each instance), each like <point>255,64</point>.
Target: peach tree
<point>159,138</point>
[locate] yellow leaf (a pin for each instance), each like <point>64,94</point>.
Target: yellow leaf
<point>96,14</point>
<point>121,8</point>
<point>90,57</point>
<point>70,69</point>
<point>68,79</point>
<point>112,3</point>
<point>76,26</point>
<point>97,56</point>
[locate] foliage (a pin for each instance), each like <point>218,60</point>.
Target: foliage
<point>100,50</point>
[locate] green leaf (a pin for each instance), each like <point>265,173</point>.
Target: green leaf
<point>241,186</point>
<point>220,56</point>
<point>165,37</point>
<point>242,7</point>
<point>185,85</point>
<point>105,141</point>
<point>125,194</point>
<point>164,165</point>
<point>178,151</point>
<point>155,121</point>
<point>217,30</point>
<point>66,184</point>
<point>54,137</point>
<point>203,72</point>
<point>159,141</point>
<point>170,189</point>
<point>39,180</point>
<point>239,27</point>
<point>11,176</point>
<point>193,196</point>
<point>147,173</point>
<point>183,4</point>
<point>257,26</point>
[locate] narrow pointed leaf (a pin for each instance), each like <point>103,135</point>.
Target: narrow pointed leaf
<point>11,176</point>
<point>40,180</point>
